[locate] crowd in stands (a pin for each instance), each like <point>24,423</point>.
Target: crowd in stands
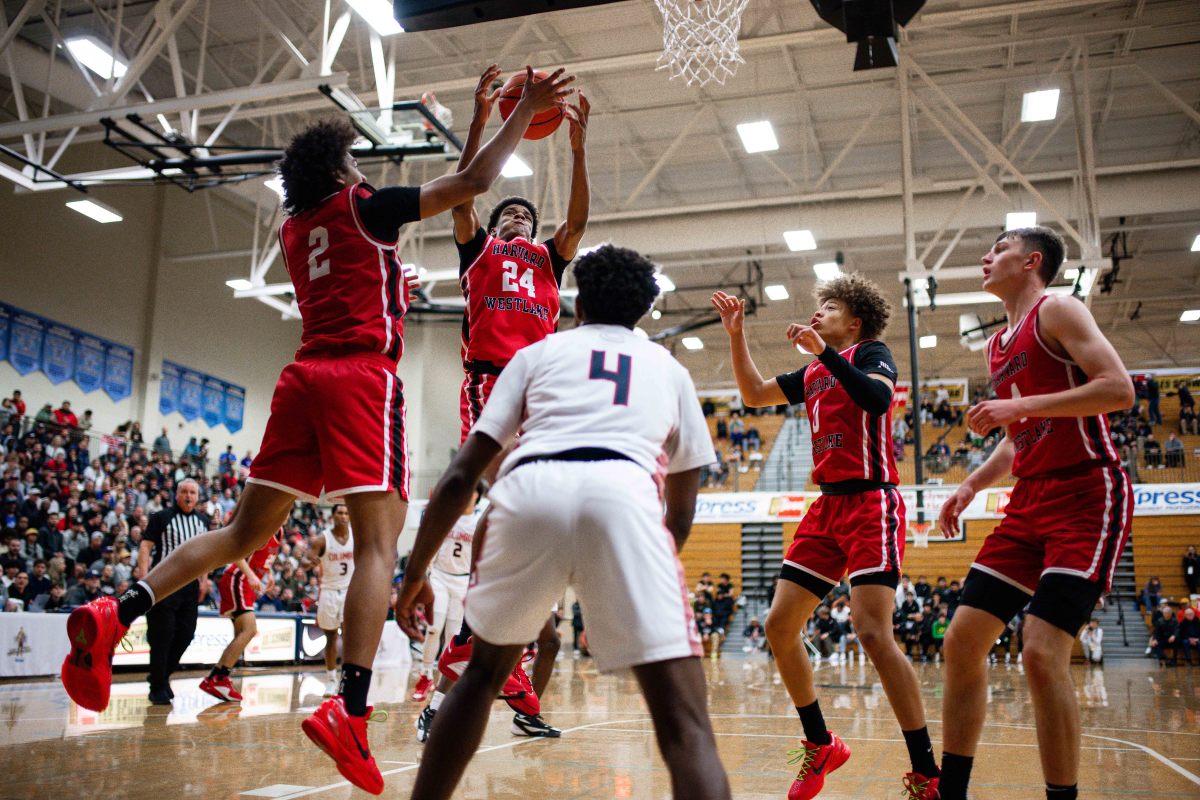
<point>1133,430</point>
<point>713,606</point>
<point>737,432</point>
<point>1174,625</point>
<point>73,507</point>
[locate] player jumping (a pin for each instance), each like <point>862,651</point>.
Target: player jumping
<point>339,245</point>
<point>855,526</point>
<point>240,585</point>
<point>611,428</point>
<point>1055,377</point>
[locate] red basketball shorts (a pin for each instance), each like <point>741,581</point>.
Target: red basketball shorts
<point>1073,525</point>
<point>476,389</point>
<point>336,428</point>
<point>861,533</point>
<point>236,594</point>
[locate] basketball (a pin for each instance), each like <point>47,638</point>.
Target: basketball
<point>545,122</point>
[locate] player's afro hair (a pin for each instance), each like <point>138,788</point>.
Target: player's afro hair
<point>311,161</point>
<point>1045,241</point>
<point>616,285</point>
<point>862,297</point>
<point>514,201</point>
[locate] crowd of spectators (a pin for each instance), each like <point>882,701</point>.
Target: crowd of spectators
<point>713,606</point>
<point>74,506</point>
<point>1174,625</point>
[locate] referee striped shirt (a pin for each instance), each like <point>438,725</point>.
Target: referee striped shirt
<point>169,528</point>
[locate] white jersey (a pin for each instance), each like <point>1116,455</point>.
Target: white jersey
<point>337,562</point>
<point>454,556</point>
<point>599,386</point>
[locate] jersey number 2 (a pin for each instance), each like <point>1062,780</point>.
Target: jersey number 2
<point>512,283</point>
<point>620,378</point>
<point>318,240</point>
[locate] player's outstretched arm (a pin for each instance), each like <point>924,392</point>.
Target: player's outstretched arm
<point>570,231</point>
<point>451,494</point>
<point>680,492</point>
<point>754,390</point>
<point>1068,325</point>
<point>466,221</point>
<point>448,191</point>
<point>998,464</point>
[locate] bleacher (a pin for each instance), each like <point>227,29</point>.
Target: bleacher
<point>737,480</point>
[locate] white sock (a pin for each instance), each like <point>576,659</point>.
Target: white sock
<point>331,674</point>
<point>438,697</point>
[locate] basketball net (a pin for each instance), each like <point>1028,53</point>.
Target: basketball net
<point>700,39</point>
<point>920,533</point>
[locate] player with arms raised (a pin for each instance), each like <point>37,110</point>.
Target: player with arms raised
<point>337,415</point>
<point>1055,378</point>
<point>611,428</point>
<point>855,526</point>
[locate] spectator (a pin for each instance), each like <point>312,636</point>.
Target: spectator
<point>722,607</point>
<point>1152,451</point>
<point>228,461</point>
<point>64,417</point>
<point>1185,397</point>
<point>1150,595</point>
<point>849,637</point>
<point>937,633</point>
<point>705,591</point>
<point>577,629</point>
<point>39,581</point>
<point>12,557</point>
<point>710,635</point>
<point>18,406</point>
<point>83,425</point>
<point>45,415</point>
<point>903,589</point>
<point>1173,451</point>
<point>86,590</point>
<point>922,589</point>
<point>1188,637</point>
<point>162,445</point>
<point>54,600</point>
<point>136,440</point>
<point>1092,638</point>
<point>270,599</point>
<point>1189,424</point>
<point>93,552</point>
<point>1164,639</point>
<point>1191,569</point>
<point>754,635</point>
<point>19,591</point>
<point>737,430</point>
<point>826,633</point>
<point>31,551</point>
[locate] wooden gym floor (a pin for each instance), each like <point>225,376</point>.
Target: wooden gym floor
<point>1141,726</point>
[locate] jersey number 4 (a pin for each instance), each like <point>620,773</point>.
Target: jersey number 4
<point>620,378</point>
<point>512,283</point>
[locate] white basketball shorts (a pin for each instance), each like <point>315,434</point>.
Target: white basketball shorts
<point>331,604</point>
<point>598,527</point>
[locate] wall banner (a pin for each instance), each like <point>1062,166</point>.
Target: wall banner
<point>235,407</point>
<point>191,391</point>
<point>118,371</point>
<point>25,334</point>
<point>5,322</point>
<point>213,402</point>
<point>89,362</point>
<point>58,353</point>
<point>168,389</point>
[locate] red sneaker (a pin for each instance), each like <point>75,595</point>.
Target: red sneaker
<point>518,691</point>
<point>221,688</point>
<point>816,761</point>
<point>423,688</point>
<point>918,787</point>
<point>453,660</point>
<point>344,739</point>
<point>95,631</point>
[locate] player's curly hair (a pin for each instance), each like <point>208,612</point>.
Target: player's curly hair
<point>862,297</point>
<point>1045,241</point>
<point>616,285</point>
<point>311,161</point>
<point>494,218</point>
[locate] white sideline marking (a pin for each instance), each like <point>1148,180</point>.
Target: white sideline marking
<point>1191,776</point>
<point>274,790</point>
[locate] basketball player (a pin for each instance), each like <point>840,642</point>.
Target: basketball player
<point>240,585</point>
<point>611,427</point>
<point>510,282</point>
<point>334,550</point>
<point>855,526</point>
<point>1055,377</point>
<point>339,245</point>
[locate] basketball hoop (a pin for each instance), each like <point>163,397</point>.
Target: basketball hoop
<point>700,39</point>
<point>920,533</point>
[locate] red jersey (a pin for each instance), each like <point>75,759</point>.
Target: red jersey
<point>848,443</point>
<point>349,287</point>
<point>511,289</point>
<point>1022,365</point>
<point>262,557</point>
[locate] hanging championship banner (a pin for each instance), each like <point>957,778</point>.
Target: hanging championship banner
<point>168,389</point>
<point>118,371</point>
<point>191,391</point>
<point>5,321</point>
<point>25,333</point>
<point>58,353</point>
<point>89,362</point>
<point>235,406</point>
<point>213,400</point>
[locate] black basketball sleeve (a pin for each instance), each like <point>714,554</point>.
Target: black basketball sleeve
<point>467,253</point>
<point>792,384</point>
<point>387,209</point>
<point>559,263</point>
<point>874,358</point>
<point>871,395</point>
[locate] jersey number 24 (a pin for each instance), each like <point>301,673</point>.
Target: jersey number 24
<point>512,283</point>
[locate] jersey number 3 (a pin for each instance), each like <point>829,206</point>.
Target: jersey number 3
<point>620,378</point>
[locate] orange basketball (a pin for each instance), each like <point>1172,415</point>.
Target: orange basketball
<point>544,123</point>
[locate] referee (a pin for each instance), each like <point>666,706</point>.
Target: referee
<point>171,624</point>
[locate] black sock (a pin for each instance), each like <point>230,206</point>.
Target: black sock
<point>356,681</point>
<point>137,600</point>
<point>1056,792</point>
<point>956,774</point>
<point>813,721</point>
<point>219,672</point>
<point>463,634</point>
<point>920,752</point>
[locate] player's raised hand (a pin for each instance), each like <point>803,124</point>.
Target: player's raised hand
<point>416,596</point>
<point>806,337</point>
<point>542,95</point>
<point>485,95</point>
<point>577,118</point>
<point>732,311</point>
<point>952,509</point>
<point>991,414</point>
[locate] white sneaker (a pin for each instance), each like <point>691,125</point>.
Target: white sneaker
<point>331,688</point>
